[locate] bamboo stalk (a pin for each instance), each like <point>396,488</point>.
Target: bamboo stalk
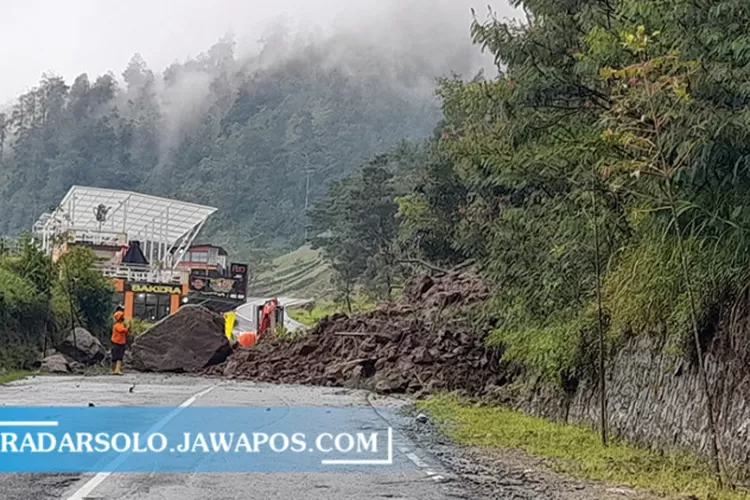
<point>602,378</point>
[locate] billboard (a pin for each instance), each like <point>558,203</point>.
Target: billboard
<point>238,272</point>
<point>233,286</point>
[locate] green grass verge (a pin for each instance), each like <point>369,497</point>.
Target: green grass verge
<point>326,308</point>
<point>575,450</point>
<point>12,376</point>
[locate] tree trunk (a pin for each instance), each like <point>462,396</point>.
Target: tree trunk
<point>713,434</point>
<point>602,378</point>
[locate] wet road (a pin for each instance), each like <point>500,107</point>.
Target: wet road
<point>420,476</point>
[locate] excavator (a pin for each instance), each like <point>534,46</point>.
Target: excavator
<point>256,319</point>
<point>225,291</point>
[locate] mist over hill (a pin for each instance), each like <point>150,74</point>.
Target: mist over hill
<point>257,133</point>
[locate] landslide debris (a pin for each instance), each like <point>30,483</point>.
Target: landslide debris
<point>80,349</point>
<point>59,363</point>
<point>187,341</point>
<point>417,344</point>
<point>81,346</point>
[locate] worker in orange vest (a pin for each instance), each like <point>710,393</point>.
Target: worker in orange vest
<point>119,340</point>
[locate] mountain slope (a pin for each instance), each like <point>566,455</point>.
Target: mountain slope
<point>257,137</point>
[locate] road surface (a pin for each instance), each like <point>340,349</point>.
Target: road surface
<point>422,476</point>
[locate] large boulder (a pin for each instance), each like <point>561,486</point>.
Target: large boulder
<point>83,347</point>
<point>60,363</point>
<point>187,341</point>
<point>56,363</point>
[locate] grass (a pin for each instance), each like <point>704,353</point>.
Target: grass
<point>576,450</point>
<point>139,326</point>
<point>12,376</point>
<point>328,307</point>
<point>301,273</point>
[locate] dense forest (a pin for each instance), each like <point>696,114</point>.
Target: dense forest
<point>601,182</point>
<point>256,136</point>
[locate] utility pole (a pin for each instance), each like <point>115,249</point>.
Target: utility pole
<point>307,196</point>
<point>308,171</point>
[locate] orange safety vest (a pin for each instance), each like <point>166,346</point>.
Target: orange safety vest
<point>119,330</point>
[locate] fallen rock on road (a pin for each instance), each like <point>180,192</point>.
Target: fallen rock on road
<point>416,344</point>
<point>60,363</point>
<point>187,341</point>
<point>83,347</point>
<point>80,349</point>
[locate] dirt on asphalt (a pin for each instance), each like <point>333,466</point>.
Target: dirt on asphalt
<point>421,343</point>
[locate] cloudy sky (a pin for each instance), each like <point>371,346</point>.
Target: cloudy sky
<point>71,37</point>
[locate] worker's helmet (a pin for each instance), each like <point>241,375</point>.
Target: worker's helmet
<point>120,308</point>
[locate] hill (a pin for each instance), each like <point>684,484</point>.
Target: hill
<point>259,136</point>
<point>301,273</point>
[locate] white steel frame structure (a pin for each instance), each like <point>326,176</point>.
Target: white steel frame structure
<point>165,228</point>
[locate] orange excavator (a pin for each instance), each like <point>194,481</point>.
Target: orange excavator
<point>267,317</point>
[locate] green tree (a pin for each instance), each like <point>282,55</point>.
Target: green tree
<point>86,293</point>
<point>330,225</point>
<point>260,142</point>
<point>356,227</point>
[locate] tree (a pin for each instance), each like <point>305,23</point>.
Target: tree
<point>431,211</point>
<point>372,208</point>
<point>87,292</point>
<point>356,227</point>
<point>331,226</point>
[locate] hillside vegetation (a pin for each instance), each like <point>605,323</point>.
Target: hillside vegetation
<point>257,137</point>
<point>608,164</point>
<point>40,302</point>
<point>301,274</point>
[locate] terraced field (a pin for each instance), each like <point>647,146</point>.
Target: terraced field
<point>301,273</point>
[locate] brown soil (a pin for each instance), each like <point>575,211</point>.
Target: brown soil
<point>416,344</point>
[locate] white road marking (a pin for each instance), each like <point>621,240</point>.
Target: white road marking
<point>21,423</point>
<point>417,461</point>
<point>84,491</point>
<point>421,464</point>
<point>411,456</point>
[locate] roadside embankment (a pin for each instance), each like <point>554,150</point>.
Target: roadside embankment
<point>576,451</point>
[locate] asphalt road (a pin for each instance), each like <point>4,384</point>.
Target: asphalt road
<point>420,477</point>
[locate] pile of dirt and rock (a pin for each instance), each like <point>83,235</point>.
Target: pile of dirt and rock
<point>417,344</point>
<point>189,340</point>
<point>80,349</point>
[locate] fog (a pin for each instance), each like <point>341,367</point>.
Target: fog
<point>95,37</point>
